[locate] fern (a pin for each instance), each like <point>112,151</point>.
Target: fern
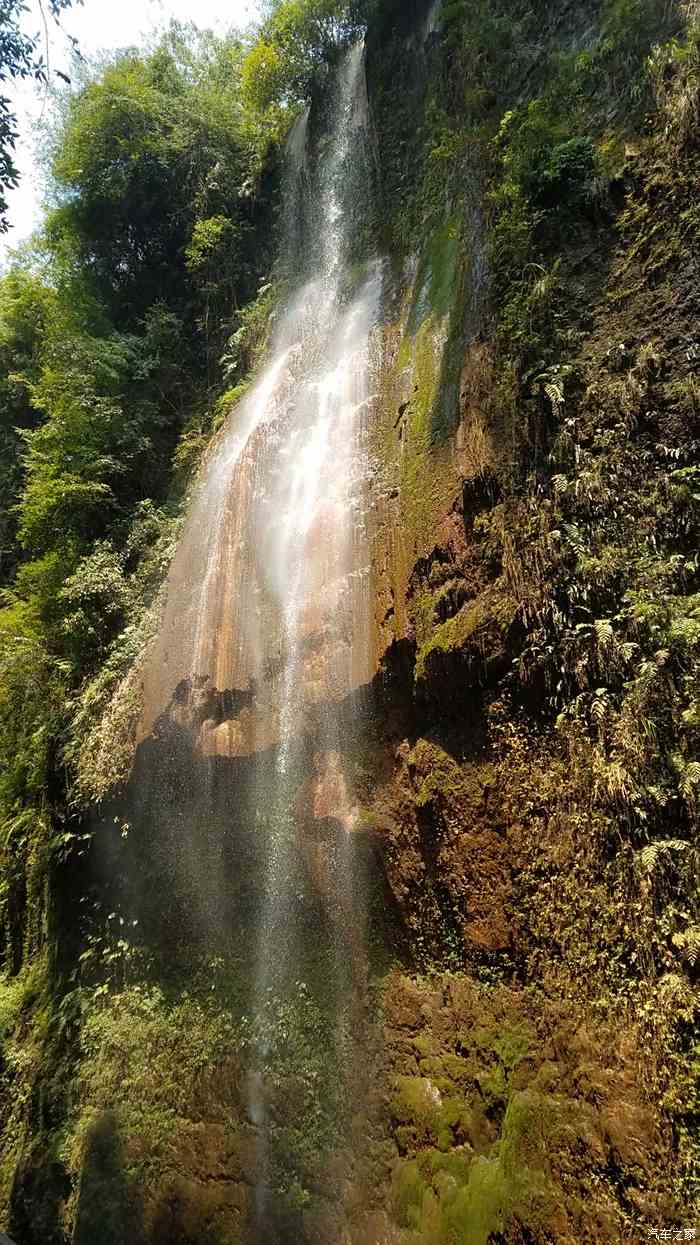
<point>604,632</point>
<point>689,782</point>
<point>544,286</point>
<point>555,392</point>
<point>650,856</point>
<point>599,707</point>
<point>648,360</point>
<point>688,942</point>
<point>647,673</point>
<point>575,539</point>
<point>670,451</point>
<point>692,949</point>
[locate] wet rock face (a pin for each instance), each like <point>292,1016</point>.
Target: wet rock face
<point>445,860</point>
<point>269,590</point>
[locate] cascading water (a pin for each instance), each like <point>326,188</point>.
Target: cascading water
<point>433,19</point>
<point>265,642</point>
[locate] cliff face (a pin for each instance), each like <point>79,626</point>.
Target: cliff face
<point>526,537</point>
<point>519,741</point>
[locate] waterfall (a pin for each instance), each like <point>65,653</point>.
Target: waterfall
<point>433,19</point>
<point>265,641</point>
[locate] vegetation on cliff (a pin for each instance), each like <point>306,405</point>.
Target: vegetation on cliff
<point>581,514</point>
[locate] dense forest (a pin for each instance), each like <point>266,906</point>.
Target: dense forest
<point>526,1054</point>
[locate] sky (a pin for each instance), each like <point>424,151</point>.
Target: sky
<point>98,25</point>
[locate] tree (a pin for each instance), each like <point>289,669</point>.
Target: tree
<point>297,38</point>
<point>20,58</point>
<point>26,307</point>
<point>157,241</point>
<point>150,155</point>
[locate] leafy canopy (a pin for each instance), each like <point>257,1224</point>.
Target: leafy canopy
<point>148,151</point>
<point>297,39</point>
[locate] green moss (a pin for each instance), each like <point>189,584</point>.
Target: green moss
<point>423,610</point>
<point>425,475</point>
<point>465,1199</point>
<point>417,1100</point>
<point>474,1214</point>
<point>423,1044</point>
<point>456,1164</point>
<point>19,994</point>
<point>426,350</point>
<point>438,772</point>
<point>434,1068</point>
<point>510,1045</point>
<point>468,628</point>
<point>452,1199</point>
<point>493,1086</point>
<point>145,1061</point>
<point>530,1129</point>
<point>441,259</point>
<point>453,1114</point>
<point>425,604</point>
<point>432,1108</point>
<point>25,1018</point>
<point>456,1067</point>
<point>461,1186</point>
<point>408,1191</point>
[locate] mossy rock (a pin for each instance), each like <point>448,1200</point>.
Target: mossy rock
<point>460,1186</point>
<point>424,1044</point>
<point>476,636</point>
<point>434,1113</point>
<point>493,1086</point>
<point>438,270</point>
<point>509,1045</point>
<point>440,779</point>
<point>417,1101</point>
<point>407,1194</point>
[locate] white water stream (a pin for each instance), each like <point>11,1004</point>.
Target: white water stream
<point>267,621</point>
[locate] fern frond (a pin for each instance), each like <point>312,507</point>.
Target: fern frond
<point>600,706</point>
<point>604,632</point>
<point>688,942</point>
<point>555,392</point>
<point>649,856</point>
<point>692,945</point>
<point>575,539</point>
<point>689,781</point>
